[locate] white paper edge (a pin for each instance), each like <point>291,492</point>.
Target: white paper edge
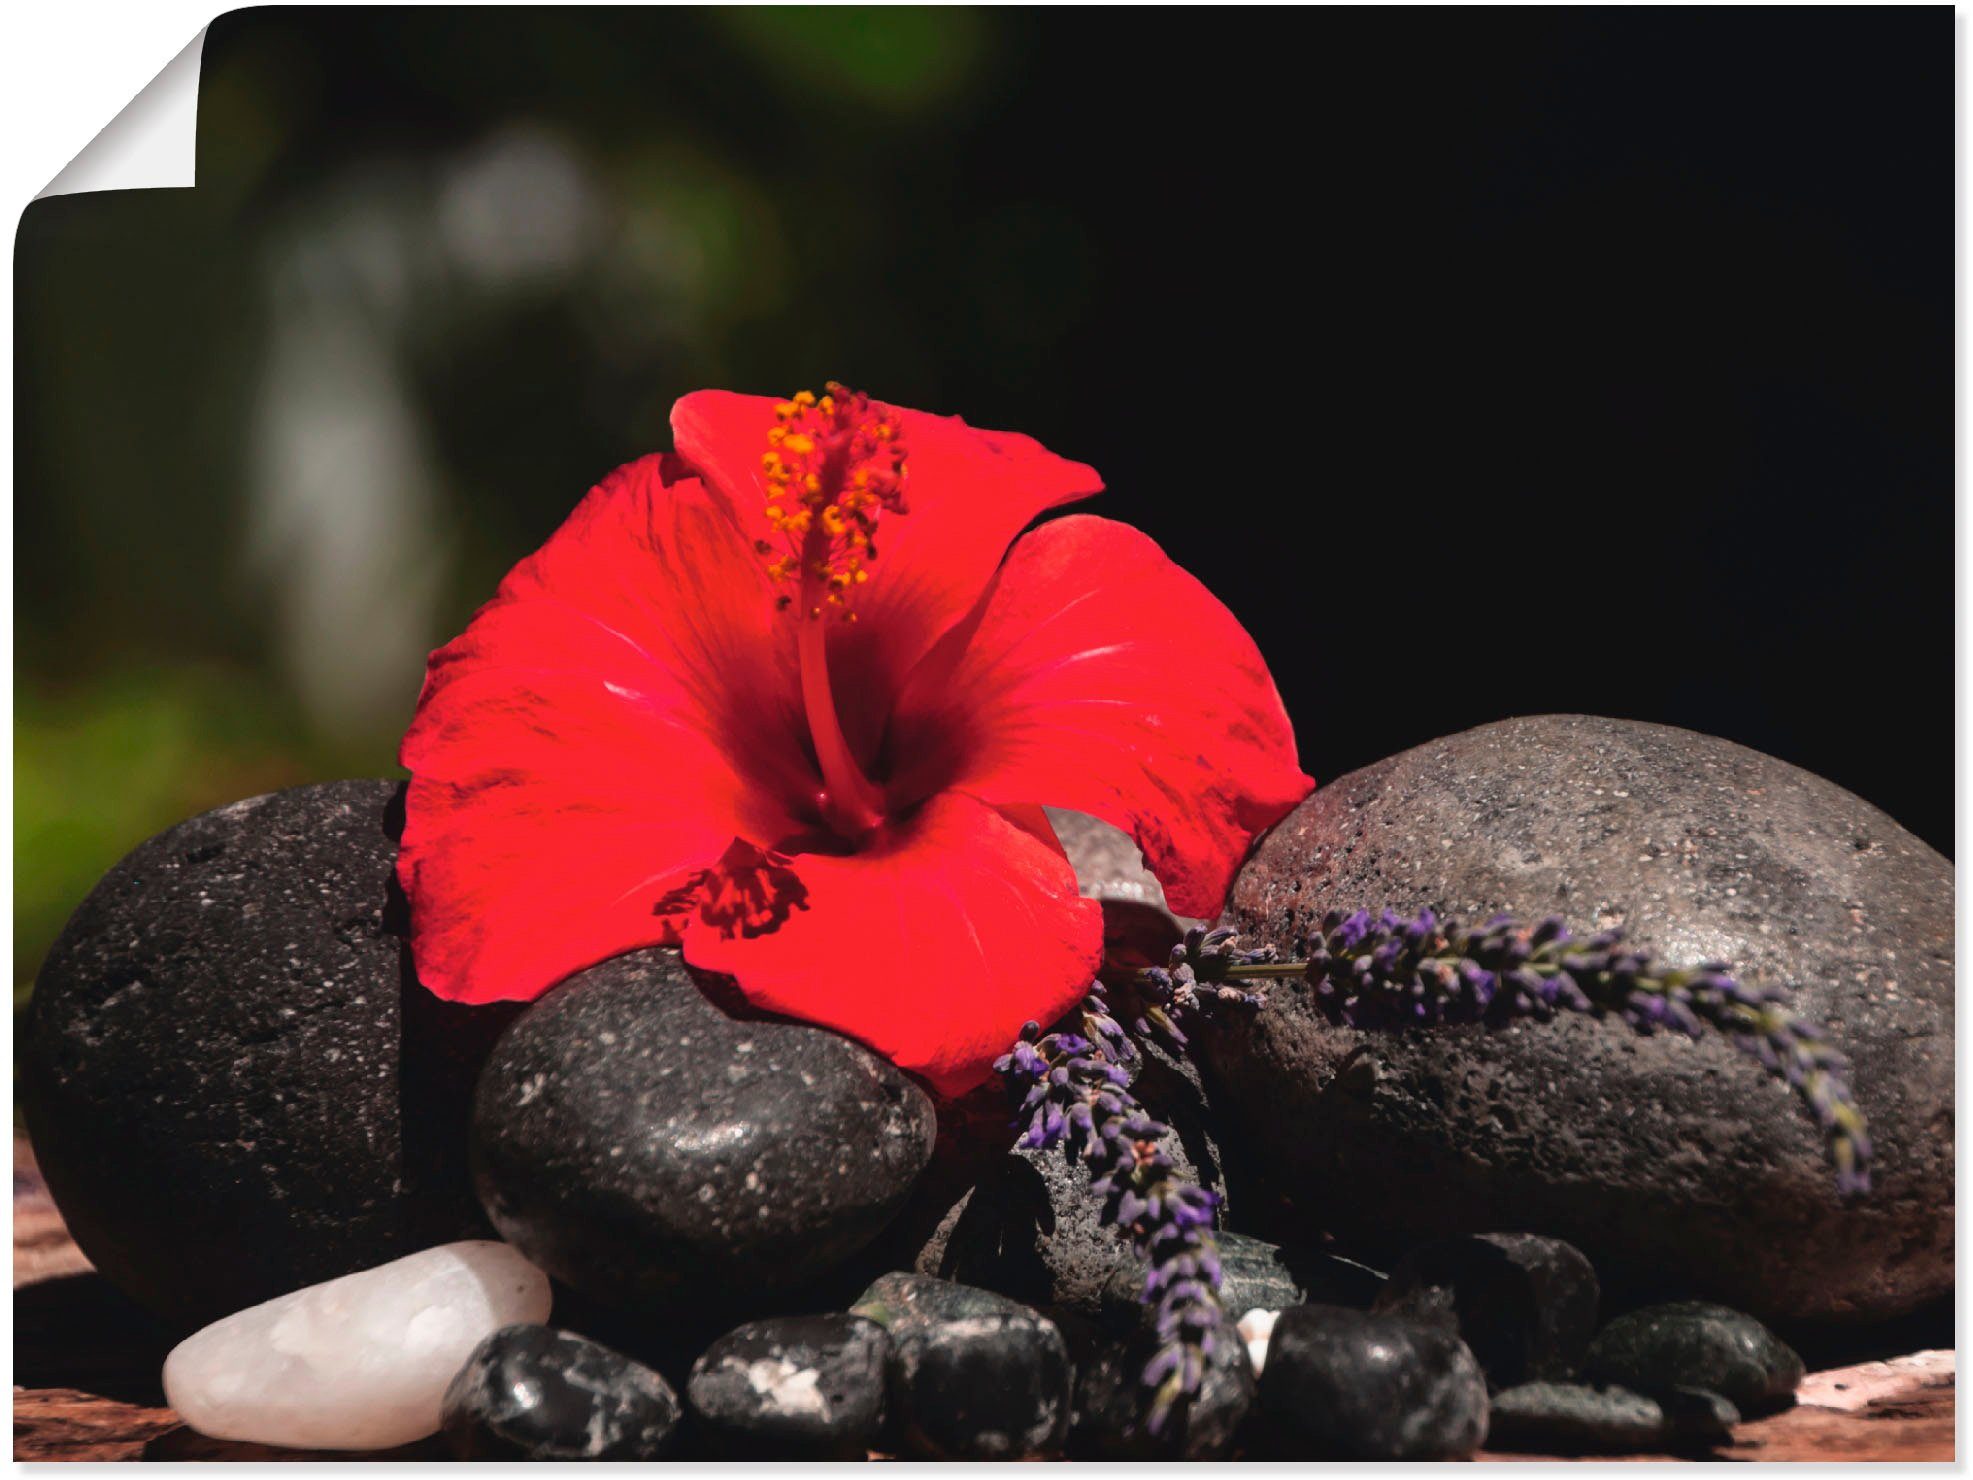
<point>152,144</point>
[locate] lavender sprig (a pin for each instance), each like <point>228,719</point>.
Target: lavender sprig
<point>1195,984</point>
<point>1073,1090</point>
<point>1389,972</point>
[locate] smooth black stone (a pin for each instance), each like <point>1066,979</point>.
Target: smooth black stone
<point>1349,1384</point>
<point>1574,1418</point>
<point>535,1393</point>
<point>1524,1305</point>
<point>647,1148</point>
<point>984,1387</point>
<point>974,1375</point>
<point>1693,1344</point>
<point>793,1387</point>
<point>1699,1416</point>
<point>234,1083</point>
<point>1680,1167</point>
<point>1110,1419</point>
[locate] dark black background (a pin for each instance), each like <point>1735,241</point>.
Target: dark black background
<point>1485,362</point>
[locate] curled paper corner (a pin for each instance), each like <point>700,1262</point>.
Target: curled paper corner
<point>152,144</point>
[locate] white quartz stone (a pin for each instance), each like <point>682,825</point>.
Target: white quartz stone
<point>1256,1327</point>
<point>359,1362</point>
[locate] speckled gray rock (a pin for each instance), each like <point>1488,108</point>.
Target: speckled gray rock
<point>235,1085</point>
<point>535,1393</point>
<point>647,1148</point>
<point>793,1387</point>
<point>1347,1384</point>
<point>1676,1165</point>
<point>901,1302</point>
<point>1029,1228</point>
<point>1692,1344</point>
<point>1525,1305</point>
<point>1573,1418</point>
<point>1258,1275</point>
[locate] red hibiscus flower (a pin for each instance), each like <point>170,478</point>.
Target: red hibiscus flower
<point>707,714</point>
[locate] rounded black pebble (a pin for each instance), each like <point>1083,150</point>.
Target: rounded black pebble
<point>234,1083</point>
<point>1111,1419</point>
<point>973,1375</point>
<point>1698,1416</point>
<point>535,1393</point>
<point>1349,1384</point>
<point>652,1150</point>
<point>793,1387</point>
<point>1576,1418</point>
<point>1524,1305</point>
<point>1695,1345</point>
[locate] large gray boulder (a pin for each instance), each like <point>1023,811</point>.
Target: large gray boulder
<point>1678,1165</point>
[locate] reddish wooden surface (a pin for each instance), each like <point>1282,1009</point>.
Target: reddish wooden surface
<point>86,1370</point>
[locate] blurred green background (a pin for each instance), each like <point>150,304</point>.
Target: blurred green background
<point>1558,360</point>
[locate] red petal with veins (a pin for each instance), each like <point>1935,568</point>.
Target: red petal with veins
<point>1098,676</point>
<point>933,944</point>
<point>969,492</point>
<point>621,711</point>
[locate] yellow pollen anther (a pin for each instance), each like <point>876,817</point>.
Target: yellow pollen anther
<point>833,467</point>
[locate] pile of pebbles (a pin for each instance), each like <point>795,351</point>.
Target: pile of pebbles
<point>760,1240</point>
<point>1489,1339</point>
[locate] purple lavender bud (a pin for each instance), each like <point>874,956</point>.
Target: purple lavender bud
<point>1163,1363</point>
<point>1552,930</point>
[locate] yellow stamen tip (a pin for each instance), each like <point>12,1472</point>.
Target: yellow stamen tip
<point>833,468</point>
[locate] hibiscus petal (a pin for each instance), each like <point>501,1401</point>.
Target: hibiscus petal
<point>1100,677</point>
<point>933,945</point>
<point>623,708</point>
<point>968,493</point>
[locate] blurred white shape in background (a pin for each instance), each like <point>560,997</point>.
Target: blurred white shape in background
<point>517,211</point>
<point>348,518</point>
<point>344,513</point>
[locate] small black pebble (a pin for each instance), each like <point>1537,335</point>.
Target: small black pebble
<point>793,1387</point>
<point>1574,1418</point>
<point>1112,1404</point>
<point>1526,1305</point>
<point>534,1393</point>
<point>1349,1384</point>
<point>1696,1345</point>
